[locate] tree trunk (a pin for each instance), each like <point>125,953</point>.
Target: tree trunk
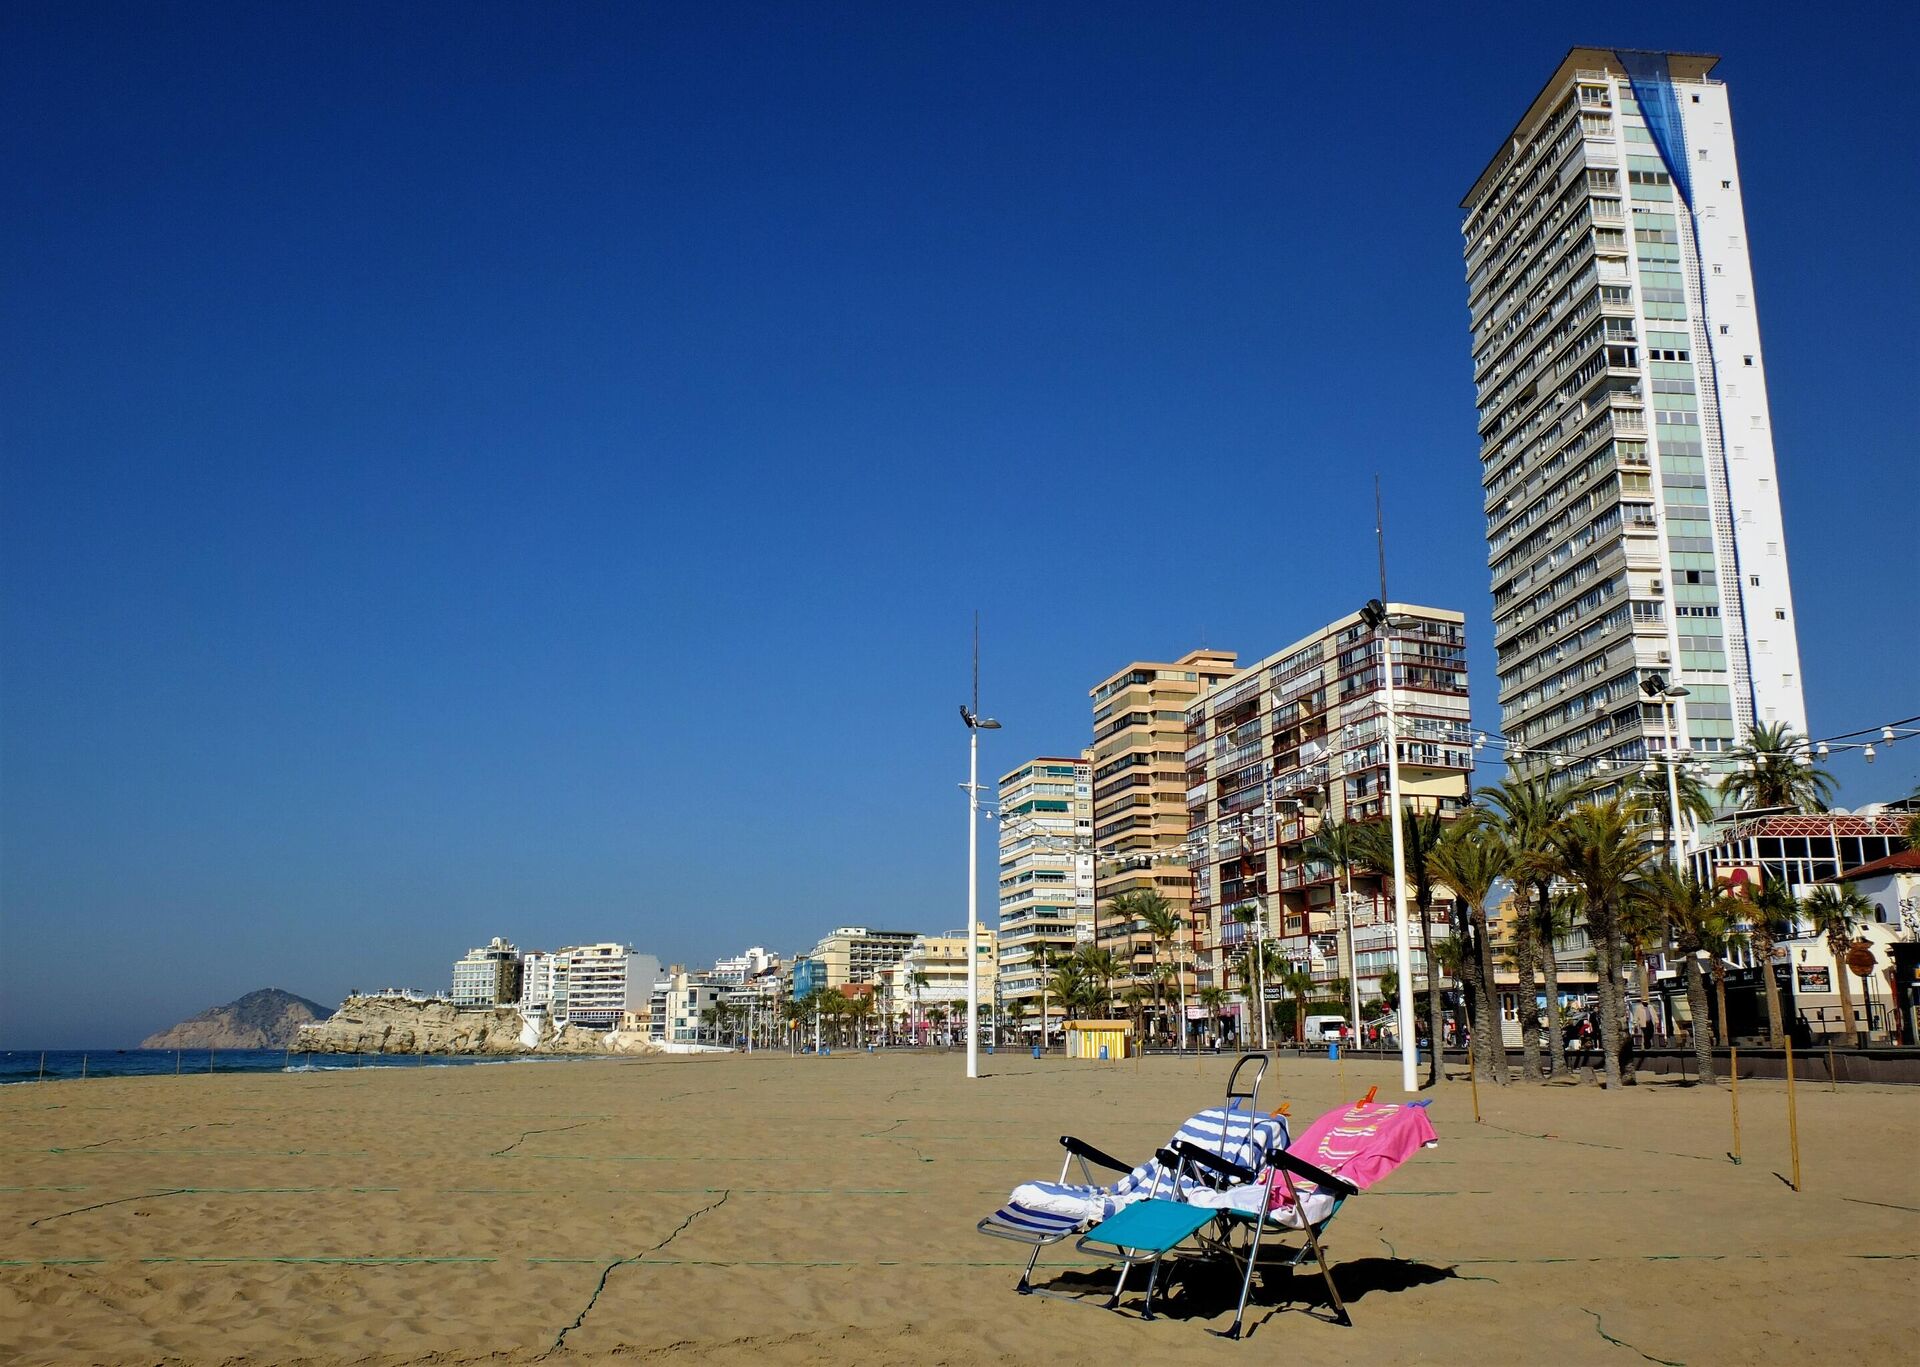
<point>1846,997</point>
<point>1606,952</point>
<point>1550,970</point>
<point>1770,992</point>
<point>1697,1007</point>
<point>1436,1024</point>
<point>1529,1011</point>
<point>1628,1042</point>
<point>1720,996</point>
<point>1494,1051</point>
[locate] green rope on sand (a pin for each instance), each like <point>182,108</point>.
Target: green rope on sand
<point>1622,1343</point>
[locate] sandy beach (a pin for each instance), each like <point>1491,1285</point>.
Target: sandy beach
<point>798,1210</point>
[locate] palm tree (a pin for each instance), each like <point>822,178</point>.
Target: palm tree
<point>1833,908</point>
<point>1016,1016</point>
<point>916,980</point>
<point>1338,844</point>
<point>1419,833</point>
<point>1296,982</point>
<point>1694,913</point>
<point>1150,911</point>
<point>1071,983</point>
<point>1261,970</point>
<point>1470,858</point>
<point>1773,770</point>
<point>1647,795</point>
<point>1769,916</point>
<point>1522,954</point>
<point>1215,1000</point>
<point>1600,850</point>
<point>1529,808</point>
<point>1101,966</point>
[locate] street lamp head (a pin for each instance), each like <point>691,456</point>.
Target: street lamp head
<point>1654,684</point>
<point>1374,613</point>
<point>977,723</point>
<point>1678,691</point>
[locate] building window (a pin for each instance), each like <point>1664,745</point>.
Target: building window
<point>1780,614</point>
<point>1726,185</point>
<point>1754,580</point>
<point>1747,359</point>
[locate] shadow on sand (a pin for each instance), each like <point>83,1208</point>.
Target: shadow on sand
<point>1193,1288</point>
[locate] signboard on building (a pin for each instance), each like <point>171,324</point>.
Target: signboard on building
<point>1813,978</point>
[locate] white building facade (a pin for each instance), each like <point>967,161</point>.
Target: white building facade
<point>1046,874</point>
<point>596,985</point>
<point>1627,459</point>
<point>487,976</point>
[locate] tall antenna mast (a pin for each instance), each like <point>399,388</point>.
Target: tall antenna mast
<point>1379,538</point>
<point>976,661</point>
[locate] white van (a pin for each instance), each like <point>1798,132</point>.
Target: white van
<point>1320,1029</point>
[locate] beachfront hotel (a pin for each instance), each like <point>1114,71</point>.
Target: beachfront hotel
<point>599,984</point>
<point>1297,740</point>
<point>1046,875</point>
<point>487,976</point>
<point>1138,762</point>
<point>1633,519</point>
<point>848,955</point>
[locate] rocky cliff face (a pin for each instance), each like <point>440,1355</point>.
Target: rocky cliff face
<point>398,1025</point>
<point>267,1019</point>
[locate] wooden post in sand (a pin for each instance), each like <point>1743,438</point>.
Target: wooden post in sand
<point>1793,1118</point>
<point>1733,1071</point>
<point>209,1058</point>
<point>1832,1086</point>
<point>43,1066</point>
<point>176,1063</point>
<point>1473,1080</point>
<point>83,1067</point>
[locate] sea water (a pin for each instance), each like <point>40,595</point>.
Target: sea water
<point>31,1065</point>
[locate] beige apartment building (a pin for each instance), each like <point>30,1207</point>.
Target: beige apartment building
<point>1139,777</point>
<point>1297,740</point>
<point>850,955</point>
<point>1046,877</point>
<point>933,973</point>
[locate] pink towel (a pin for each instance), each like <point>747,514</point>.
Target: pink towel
<point>1365,1142</point>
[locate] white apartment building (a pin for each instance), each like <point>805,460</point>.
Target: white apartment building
<point>744,967</point>
<point>537,968</point>
<point>487,976</point>
<point>1633,515</point>
<point>597,984</point>
<point>1046,874</point>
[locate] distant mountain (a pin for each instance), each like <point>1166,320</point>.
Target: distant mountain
<point>267,1019</point>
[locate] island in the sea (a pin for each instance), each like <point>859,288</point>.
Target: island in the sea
<point>267,1019</point>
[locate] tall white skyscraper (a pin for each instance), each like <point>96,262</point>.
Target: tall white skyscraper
<point>1633,517</point>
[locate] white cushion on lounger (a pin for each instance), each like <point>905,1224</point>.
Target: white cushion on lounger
<point>1247,1200</point>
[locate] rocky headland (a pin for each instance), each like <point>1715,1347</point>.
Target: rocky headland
<point>408,1025</point>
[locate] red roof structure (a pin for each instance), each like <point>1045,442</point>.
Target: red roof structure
<point>1907,861</point>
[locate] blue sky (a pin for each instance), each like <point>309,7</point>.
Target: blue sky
<point>528,469</point>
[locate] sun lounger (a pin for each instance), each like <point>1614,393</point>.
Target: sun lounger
<point>1302,1187</point>
<point>1044,1213</point>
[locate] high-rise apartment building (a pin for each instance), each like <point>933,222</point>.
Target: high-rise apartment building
<point>1297,740</point>
<point>1633,517</point>
<point>1046,874</point>
<point>1138,761</point>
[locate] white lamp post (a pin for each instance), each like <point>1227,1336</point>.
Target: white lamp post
<point>1375,615</point>
<point>975,725</point>
<point>1656,685</point>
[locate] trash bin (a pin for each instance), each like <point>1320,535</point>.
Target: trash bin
<point>1103,1053</point>
<point>1333,1050</point>
<point>1036,1051</point>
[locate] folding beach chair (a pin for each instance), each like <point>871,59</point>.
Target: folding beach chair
<point>1302,1187</point>
<point>1043,1213</point>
